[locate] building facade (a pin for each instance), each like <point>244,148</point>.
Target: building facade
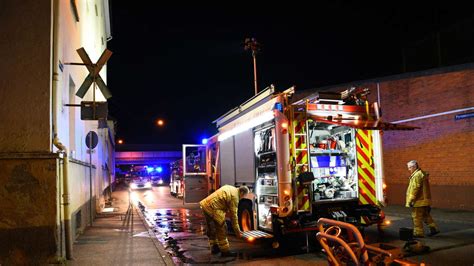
<point>52,186</point>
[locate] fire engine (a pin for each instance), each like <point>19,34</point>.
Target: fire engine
<point>304,158</point>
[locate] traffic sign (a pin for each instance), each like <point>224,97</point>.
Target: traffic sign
<point>94,70</point>
<point>91,140</point>
<point>94,110</point>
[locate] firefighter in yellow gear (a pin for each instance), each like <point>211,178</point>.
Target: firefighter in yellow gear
<point>419,199</point>
<point>214,207</point>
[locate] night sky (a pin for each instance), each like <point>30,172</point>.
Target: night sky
<point>187,64</point>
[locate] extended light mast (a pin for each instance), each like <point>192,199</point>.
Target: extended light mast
<point>252,44</point>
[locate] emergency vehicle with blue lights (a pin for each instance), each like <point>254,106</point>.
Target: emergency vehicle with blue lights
<point>304,157</point>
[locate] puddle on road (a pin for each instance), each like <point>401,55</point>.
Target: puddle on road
<point>172,226</point>
<point>177,220</point>
<point>182,233</point>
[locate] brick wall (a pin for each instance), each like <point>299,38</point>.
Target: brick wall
<point>443,146</point>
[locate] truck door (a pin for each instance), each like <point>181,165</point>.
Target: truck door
<point>195,173</point>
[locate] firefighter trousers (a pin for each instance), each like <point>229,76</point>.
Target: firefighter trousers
<point>422,215</point>
<point>216,233</point>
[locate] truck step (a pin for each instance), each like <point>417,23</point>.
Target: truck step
<point>255,234</point>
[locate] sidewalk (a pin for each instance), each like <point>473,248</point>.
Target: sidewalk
<point>119,238</point>
<point>445,215</point>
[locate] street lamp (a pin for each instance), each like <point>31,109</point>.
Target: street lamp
<point>160,122</point>
<point>120,141</point>
<point>252,44</point>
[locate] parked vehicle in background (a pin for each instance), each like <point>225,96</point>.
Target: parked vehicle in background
<point>156,180</point>
<point>176,178</point>
<point>147,174</point>
<point>140,182</point>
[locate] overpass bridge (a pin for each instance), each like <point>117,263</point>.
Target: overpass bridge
<point>147,154</point>
<point>146,157</point>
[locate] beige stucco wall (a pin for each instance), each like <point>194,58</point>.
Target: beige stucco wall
<point>37,41</point>
<point>29,207</point>
<point>25,71</point>
<point>88,33</point>
<point>79,182</point>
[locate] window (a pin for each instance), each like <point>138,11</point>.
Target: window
<point>78,220</point>
<point>72,117</point>
<point>74,10</point>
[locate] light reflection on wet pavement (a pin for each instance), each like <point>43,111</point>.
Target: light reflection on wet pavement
<point>182,233</point>
<point>178,220</point>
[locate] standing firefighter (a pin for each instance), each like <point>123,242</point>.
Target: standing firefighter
<point>419,199</point>
<point>215,206</point>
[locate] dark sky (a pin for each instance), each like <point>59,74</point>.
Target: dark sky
<point>187,64</point>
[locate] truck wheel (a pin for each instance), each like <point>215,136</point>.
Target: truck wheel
<point>245,214</point>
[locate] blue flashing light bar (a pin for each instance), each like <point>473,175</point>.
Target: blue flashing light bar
<point>279,107</point>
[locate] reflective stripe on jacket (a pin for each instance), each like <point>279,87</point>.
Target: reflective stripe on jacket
<point>418,190</point>
<point>223,200</point>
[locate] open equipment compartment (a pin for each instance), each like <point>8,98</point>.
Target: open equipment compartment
<point>266,185</point>
<point>332,161</point>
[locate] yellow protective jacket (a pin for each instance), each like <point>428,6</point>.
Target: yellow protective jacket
<point>222,201</point>
<point>418,190</point>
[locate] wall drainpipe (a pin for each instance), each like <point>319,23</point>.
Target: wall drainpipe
<point>66,196</point>
<point>62,148</point>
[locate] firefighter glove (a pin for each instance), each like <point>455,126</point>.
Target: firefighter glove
<point>239,234</point>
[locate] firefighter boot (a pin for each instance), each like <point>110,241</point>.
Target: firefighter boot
<point>433,231</point>
<point>215,249</point>
<point>228,254</point>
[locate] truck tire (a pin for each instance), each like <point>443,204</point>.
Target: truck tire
<point>245,215</point>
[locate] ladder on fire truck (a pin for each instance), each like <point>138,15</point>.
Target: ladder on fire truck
<point>299,156</point>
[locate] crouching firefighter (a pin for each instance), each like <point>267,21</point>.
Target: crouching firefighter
<point>214,207</point>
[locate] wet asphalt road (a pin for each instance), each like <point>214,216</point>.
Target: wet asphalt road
<point>181,229</point>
